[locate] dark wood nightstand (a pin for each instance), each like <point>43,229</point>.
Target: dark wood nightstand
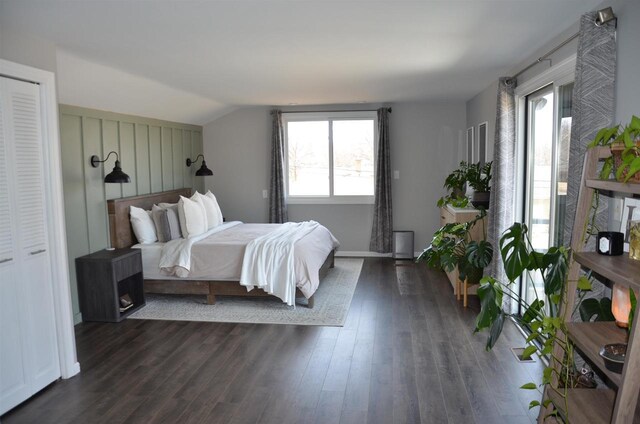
<point>106,276</point>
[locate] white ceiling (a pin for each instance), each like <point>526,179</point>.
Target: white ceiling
<point>241,52</point>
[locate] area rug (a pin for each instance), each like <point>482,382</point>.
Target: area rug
<point>332,301</point>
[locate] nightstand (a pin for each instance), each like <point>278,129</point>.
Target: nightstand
<point>106,276</point>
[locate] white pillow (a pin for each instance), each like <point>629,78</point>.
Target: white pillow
<point>211,209</point>
<point>220,218</point>
<point>193,218</point>
<point>143,226</point>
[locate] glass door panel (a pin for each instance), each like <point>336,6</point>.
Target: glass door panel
<point>548,138</point>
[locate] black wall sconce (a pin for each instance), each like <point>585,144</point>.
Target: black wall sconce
<point>115,176</point>
<point>203,171</point>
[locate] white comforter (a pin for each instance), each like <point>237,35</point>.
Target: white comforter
<point>269,261</point>
<point>218,255</point>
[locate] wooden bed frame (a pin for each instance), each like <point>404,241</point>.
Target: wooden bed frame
<point>122,237</point>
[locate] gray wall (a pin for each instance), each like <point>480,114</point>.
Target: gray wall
<point>424,148</point>
<point>151,152</point>
<point>481,108</point>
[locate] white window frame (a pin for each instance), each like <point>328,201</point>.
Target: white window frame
<point>328,116</point>
<point>558,75</point>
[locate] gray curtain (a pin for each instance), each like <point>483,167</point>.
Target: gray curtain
<point>503,186</point>
<point>382,230</point>
<point>277,197</point>
<point>593,106</point>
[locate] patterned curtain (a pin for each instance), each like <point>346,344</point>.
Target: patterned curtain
<point>501,204</point>
<point>593,106</point>
<point>382,230</point>
<point>277,197</point>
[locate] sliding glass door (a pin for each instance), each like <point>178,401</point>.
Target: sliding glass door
<point>548,133</point>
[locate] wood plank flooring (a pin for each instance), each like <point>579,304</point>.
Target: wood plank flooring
<point>406,354</point>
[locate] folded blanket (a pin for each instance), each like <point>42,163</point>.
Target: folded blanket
<point>176,254</point>
<point>269,261</point>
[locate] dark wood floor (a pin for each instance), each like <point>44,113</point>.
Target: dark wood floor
<point>406,354</point>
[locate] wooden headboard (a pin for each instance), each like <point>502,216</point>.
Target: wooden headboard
<point>120,229</point>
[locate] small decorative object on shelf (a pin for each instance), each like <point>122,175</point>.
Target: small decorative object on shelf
<point>634,240</point>
<point>613,355</point>
<point>610,243</point>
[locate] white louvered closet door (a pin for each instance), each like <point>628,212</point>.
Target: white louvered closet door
<point>28,342</point>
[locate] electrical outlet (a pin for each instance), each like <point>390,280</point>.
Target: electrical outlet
<point>265,194</point>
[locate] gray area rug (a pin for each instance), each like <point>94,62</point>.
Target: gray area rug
<point>332,301</point>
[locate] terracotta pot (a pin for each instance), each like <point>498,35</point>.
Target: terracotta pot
<point>616,152</point>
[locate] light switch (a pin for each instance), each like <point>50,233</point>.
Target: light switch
<point>396,175</point>
<point>265,194</point>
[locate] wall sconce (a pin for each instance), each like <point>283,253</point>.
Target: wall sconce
<point>203,171</point>
<point>620,305</point>
<point>115,176</point>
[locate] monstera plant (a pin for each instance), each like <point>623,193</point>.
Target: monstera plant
<point>541,314</point>
<point>452,247</point>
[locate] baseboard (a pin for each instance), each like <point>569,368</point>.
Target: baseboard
<point>366,254</point>
<point>77,318</point>
<point>361,254</point>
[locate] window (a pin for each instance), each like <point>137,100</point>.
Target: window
<point>330,157</point>
<point>548,132</point>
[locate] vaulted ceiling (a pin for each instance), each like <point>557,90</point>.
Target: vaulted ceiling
<point>271,52</point>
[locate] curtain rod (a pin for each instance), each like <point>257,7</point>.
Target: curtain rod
<point>333,111</point>
<point>547,54</point>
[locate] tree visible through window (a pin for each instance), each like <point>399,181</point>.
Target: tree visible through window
<point>330,156</point>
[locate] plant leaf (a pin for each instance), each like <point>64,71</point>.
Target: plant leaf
<point>601,309</point>
<point>514,251</point>
<point>490,295</point>
<point>529,386</point>
<point>632,311</point>
<point>584,284</point>
<point>634,167</point>
<point>607,168</point>
<point>532,311</point>
<point>533,404</point>
<point>479,254</point>
<point>528,351</point>
<point>555,274</point>
<point>496,330</point>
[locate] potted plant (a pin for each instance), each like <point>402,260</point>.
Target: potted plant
<point>455,183</point>
<point>452,247</point>
<point>541,315</point>
<point>625,151</point>
<point>479,178</point>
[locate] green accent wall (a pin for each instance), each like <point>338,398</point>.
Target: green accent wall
<point>152,153</point>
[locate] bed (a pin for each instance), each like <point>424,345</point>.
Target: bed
<point>228,244</point>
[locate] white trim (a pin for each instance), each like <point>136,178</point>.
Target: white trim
<point>326,200</point>
<point>561,73</point>
<point>361,254</point>
<point>470,132</point>
<point>330,116</point>
<point>69,365</point>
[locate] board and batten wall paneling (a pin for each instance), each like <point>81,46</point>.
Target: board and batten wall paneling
<point>151,152</point>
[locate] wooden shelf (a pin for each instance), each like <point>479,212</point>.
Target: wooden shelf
<point>612,185</point>
<point>589,337</point>
<point>585,405</point>
<point>619,269</point>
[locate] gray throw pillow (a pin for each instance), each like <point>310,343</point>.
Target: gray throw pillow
<point>174,222</point>
<point>161,222</point>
